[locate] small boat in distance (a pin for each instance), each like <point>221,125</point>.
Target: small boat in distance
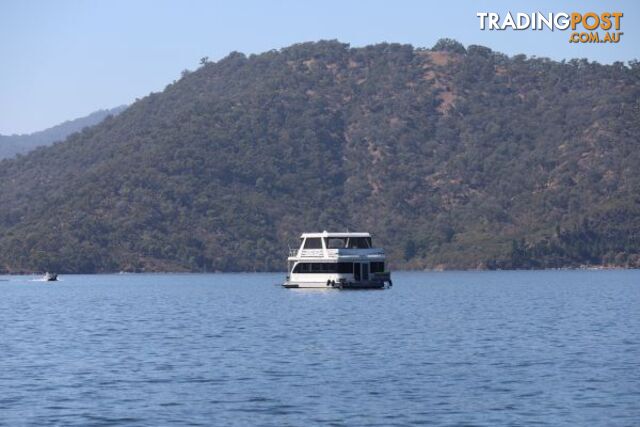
<point>50,277</point>
<point>337,260</point>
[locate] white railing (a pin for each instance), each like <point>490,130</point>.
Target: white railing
<point>315,253</point>
<point>343,252</point>
<point>333,253</point>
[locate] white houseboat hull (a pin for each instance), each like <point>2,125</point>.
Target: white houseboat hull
<point>346,285</point>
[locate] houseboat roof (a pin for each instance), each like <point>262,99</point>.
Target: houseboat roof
<point>335,234</point>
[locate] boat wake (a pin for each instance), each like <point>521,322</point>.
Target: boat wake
<point>42,279</point>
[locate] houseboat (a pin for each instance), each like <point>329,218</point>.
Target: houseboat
<point>337,260</point>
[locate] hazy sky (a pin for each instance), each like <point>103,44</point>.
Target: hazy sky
<point>64,59</point>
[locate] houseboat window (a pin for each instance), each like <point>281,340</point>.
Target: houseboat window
<point>336,243</point>
<point>313,243</point>
<point>359,243</point>
<point>345,267</point>
<point>331,267</point>
<point>302,267</point>
<point>316,267</point>
<point>377,267</point>
<point>328,267</point>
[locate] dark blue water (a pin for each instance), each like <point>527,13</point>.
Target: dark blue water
<point>476,348</point>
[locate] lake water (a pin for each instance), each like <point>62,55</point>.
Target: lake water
<point>454,348</point>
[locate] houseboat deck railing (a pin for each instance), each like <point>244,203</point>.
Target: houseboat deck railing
<point>334,253</point>
<point>347,252</point>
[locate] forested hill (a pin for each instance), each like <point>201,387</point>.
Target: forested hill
<point>451,157</point>
<point>10,145</point>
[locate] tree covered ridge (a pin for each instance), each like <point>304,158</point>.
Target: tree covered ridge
<point>452,157</point>
<point>10,145</point>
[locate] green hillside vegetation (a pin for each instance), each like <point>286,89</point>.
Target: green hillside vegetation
<point>452,157</point>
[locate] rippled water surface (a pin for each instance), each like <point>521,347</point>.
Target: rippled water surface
<point>454,348</point>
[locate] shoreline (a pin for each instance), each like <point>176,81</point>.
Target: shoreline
<point>426,270</point>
